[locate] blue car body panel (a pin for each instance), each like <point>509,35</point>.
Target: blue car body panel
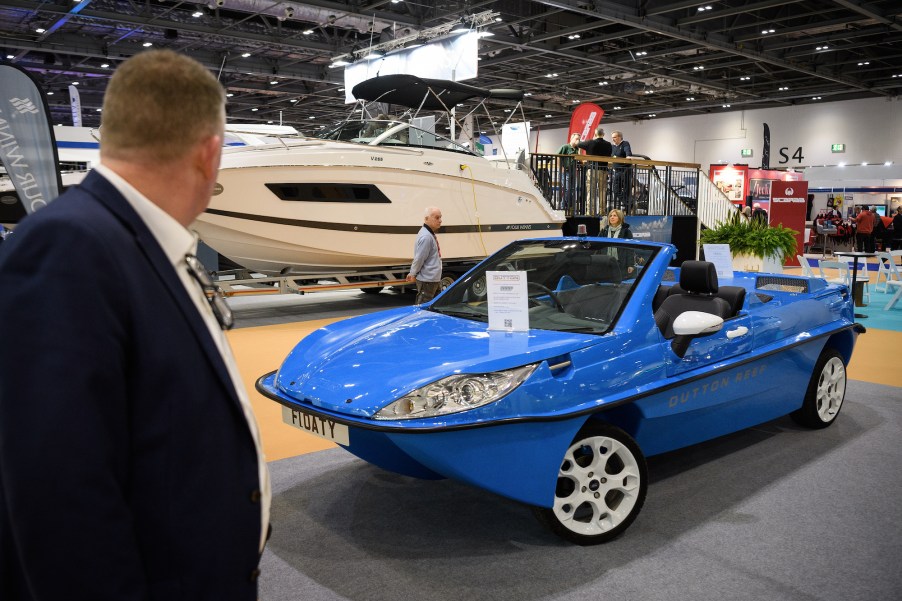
<point>756,368</point>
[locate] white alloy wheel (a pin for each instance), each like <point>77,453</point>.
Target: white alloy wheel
<point>601,486</point>
<point>831,389</point>
<point>826,391</point>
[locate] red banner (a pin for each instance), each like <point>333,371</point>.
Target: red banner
<point>788,207</point>
<point>584,120</point>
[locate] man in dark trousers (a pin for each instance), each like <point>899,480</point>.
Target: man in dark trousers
<point>597,171</point>
<point>426,268</point>
<point>130,460</point>
<point>620,184</point>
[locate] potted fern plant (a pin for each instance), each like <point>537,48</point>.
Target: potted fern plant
<point>755,245</point>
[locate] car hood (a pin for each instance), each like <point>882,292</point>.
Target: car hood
<point>358,366</point>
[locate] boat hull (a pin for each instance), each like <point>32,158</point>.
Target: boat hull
<point>325,206</point>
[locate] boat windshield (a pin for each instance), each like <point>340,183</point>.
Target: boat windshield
<point>390,133</point>
<point>572,285</point>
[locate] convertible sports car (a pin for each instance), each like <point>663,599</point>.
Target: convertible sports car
<point>624,357</point>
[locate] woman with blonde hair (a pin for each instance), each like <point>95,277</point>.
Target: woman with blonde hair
<point>616,227</point>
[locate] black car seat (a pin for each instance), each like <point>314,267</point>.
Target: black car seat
<point>698,281</point>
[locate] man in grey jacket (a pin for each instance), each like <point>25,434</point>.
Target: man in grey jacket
<point>426,268</point>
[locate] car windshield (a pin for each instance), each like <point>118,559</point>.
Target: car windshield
<point>390,133</point>
<point>572,285</point>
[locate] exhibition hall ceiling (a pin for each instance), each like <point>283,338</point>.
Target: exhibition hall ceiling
<point>638,60</point>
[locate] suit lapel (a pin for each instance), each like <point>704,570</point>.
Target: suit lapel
<point>108,196</point>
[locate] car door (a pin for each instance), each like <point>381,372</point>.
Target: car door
<point>734,338</point>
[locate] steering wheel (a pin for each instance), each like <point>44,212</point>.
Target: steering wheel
<point>554,299</point>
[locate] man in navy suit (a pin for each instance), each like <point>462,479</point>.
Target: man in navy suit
<point>130,461</point>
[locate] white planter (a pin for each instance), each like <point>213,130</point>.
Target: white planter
<point>743,262</point>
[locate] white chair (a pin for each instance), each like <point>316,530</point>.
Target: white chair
<point>806,266</point>
<point>887,261</point>
<point>842,275</point>
<point>863,276</point>
<point>894,280</point>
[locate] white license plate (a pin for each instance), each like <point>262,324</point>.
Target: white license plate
<point>318,426</point>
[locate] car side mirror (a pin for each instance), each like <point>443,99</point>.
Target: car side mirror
<point>692,324</point>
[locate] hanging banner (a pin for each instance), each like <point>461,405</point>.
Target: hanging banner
<point>584,120</point>
<point>27,143</point>
<point>75,103</point>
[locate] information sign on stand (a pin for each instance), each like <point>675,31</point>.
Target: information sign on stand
<point>720,255</point>
<point>508,301</point>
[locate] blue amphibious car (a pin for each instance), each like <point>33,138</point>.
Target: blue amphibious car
<point>624,357</point>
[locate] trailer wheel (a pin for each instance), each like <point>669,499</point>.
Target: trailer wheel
<point>446,281</point>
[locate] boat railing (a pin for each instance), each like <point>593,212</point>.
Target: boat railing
<point>583,185</point>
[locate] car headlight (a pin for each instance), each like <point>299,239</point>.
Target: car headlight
<point>456,393</point>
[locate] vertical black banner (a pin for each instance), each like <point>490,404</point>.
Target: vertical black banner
<point>27,143</point>
<point>765,152</point>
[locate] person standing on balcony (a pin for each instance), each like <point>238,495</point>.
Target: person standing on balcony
<point>620,184</point>
<point>597,147</point>
<point>568,171</point>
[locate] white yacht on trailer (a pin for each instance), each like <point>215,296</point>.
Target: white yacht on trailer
<point>354,199</point>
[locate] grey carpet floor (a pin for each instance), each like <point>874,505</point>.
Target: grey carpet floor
<point>771,513</point>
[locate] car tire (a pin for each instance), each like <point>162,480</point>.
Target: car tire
<point>600,487</point>
<point>825,393</point>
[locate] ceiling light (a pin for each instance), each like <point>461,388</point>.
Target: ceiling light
<point>766,31</point>
<point>50,93</point>
<point>649,91</point>
<point>311,116</point>
<point>229,95</point>
<point>507,110</point>
<point>147,44</point>
<point>555,75</point>
<point>527,93</point>
<point>197,14</point>
<point>245,54</point>
<point>690,98</point>
<point>255,109</point>
<point>822,47</point>
<point>726,106</point>
<point>293,100</point>
<point>339,62</point>
<point>104,65</point>
<point>815,97</point>
<point>460,28</point>
<point>498,19</point>
<point>274,82</point>
<point>74,83</point>
<point>698,67</point>
<point>11,57</point>
<point>574,36</point>
<point>395,1</point>
<point>485,34</point>
<point>373,55</point>
<point>864,63</point>
<point>744,78</point>
<point>307,31</point>
<point>652,115</point>
<point>888,163</point>
<point>643,53</point>
<point>548,116</point>
<point>98,110</point>
<point>603,83</point>
<point>40,30</point>
<point>617,108</point>
<point>782,88</point>
<point>576,101</point>
<point>864,164</point>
